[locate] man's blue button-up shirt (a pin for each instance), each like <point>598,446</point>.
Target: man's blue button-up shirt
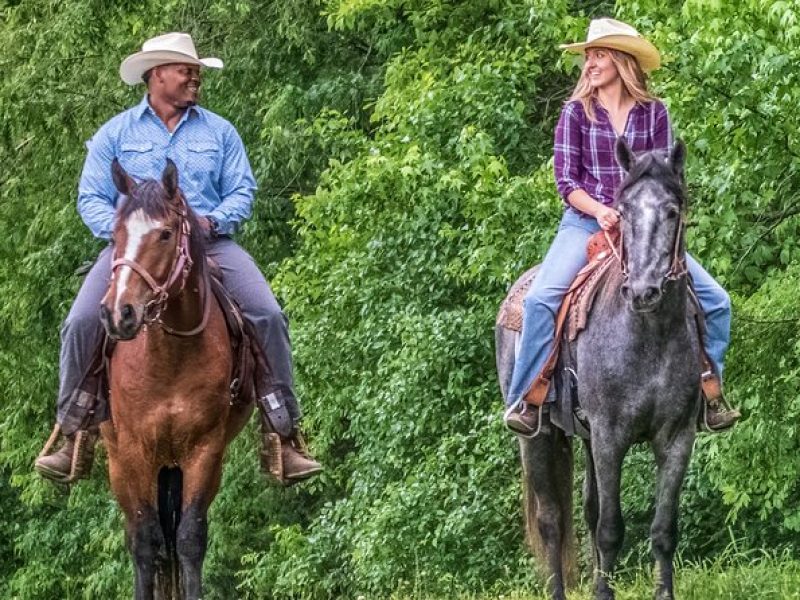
<point>213,169</point>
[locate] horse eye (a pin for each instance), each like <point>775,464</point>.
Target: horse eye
<point>165,234</point>
<point>672,213</point>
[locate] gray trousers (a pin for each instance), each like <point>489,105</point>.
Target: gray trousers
<point>81,331</point>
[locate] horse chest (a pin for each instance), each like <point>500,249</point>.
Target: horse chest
<point>627,354</point>
<point>148,396</point>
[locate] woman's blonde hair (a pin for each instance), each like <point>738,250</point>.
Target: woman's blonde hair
<point>633,78</point>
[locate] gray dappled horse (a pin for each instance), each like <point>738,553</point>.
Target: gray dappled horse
<point>638,379</point>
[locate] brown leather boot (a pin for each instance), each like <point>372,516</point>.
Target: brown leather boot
<point>523,419</point>
<point>72,461</point>
<point>297,463</point>
<point>716,415</point>
<point>286,459</point>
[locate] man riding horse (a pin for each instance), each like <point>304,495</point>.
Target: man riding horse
<point>218,183</point>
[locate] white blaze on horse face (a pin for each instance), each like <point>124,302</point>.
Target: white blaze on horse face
<point>643,245</point>
<point>138,225</point>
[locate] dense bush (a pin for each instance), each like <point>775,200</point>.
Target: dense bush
<point>403,152</point>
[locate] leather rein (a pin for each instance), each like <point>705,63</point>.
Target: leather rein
<point>179,272</point>
<point>677,268</point>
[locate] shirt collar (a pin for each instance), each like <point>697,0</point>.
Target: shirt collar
<point>141,109</point>
<point>636,105</point>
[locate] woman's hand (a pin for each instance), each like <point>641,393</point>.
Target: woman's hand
<point>607,217</point>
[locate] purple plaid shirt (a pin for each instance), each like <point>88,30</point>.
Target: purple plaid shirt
<point>584,151</point>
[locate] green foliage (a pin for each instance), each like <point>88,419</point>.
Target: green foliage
<point>403,151</point>
<point>738,577</point>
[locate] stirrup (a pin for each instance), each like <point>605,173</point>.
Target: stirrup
<point>271,457</point>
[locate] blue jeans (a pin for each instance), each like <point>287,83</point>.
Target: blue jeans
<point>565,258</point>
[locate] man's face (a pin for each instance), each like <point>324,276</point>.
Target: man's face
<point>177,84</point>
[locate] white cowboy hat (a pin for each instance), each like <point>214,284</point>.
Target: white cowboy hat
<point>163,50</point>
<point>610,33</point>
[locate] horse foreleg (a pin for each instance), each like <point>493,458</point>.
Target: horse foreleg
<point>191,546</point>
<point>135,494</point>
<point>610,530</point>
<point>201,479</point>
<point>145,541</point>
<point>591,505</point>
<point>672,459</point>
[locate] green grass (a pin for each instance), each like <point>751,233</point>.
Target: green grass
<point>743,577</point>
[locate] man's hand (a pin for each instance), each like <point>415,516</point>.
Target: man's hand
<point>209,226</point>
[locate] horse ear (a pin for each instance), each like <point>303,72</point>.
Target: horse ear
<point>624,154</point>
<point>169,178</point>
<point>677,157</point>
<point>122,180</point>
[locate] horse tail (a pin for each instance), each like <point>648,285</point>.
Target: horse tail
<point>548,460</point>
<point>505,355</point>
<point>564,478</point>
<point>530,504</point>
<point>170,487</point>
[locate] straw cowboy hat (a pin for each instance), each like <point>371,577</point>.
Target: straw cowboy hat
<point>163,50</point>
<point>610,33</point>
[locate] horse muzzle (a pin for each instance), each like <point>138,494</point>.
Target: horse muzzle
<point>123,324</point>
<point>641,298</point>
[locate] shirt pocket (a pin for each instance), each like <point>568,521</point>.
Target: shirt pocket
<point>137,159</point>
<point>202,162</point>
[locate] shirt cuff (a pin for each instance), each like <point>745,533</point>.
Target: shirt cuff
<point>565,188</point>
<point>225,226</point>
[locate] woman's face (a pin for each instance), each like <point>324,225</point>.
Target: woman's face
<point>600,70</point>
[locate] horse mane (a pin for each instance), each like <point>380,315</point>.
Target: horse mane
<point>151,199</point>
<point>652,165</point>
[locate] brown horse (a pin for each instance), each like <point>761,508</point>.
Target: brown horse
<point>171,414</point>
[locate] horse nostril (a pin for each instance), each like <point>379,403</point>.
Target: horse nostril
<point>651,294</point>
<point>626,291</point>
<point>127,312</point>
<point>104,313</point>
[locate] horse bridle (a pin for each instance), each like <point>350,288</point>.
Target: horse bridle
<point>179,271</point>
<point>677,268</point>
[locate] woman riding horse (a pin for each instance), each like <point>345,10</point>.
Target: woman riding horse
<point>611,100</point>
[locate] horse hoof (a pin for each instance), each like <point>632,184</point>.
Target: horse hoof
<point>603,592</point>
